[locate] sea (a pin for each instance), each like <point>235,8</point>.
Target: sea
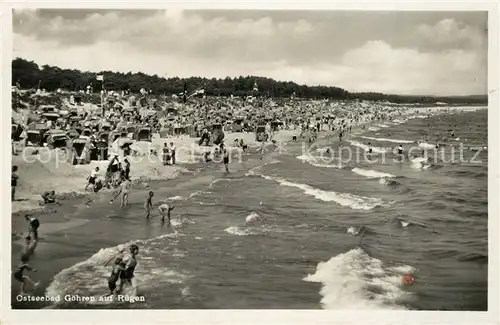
<point>300,227</point>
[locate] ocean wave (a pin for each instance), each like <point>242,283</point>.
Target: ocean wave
<point>356,230</point>
<point>383,126</point>
<point>426,145</point>
<point>459,255</point>
<point>481,175</point>
<point>371,173</point>
<point>313,161</point>
<point>248,230</point>
<point>344,199</point>
<point>177,198</point>
<point>474,257</point>
<point>252,226</point>
<point>252,217</point>
<point>218,180</point>
<point>394,184</point>
<point>388,140</point>
<point>365,147</point>
<point>239,231</point>
<point>253,171</point>
<point>374,129</point>
<point>194,194</point>
<point>354,280</point>
<point>179,222</point>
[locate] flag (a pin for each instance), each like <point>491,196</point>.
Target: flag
<point>99,77</point>
<point>197,92</point>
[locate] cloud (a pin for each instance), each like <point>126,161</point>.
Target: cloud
<point>378,65</point>
<point>449,31</point>
<point>441,58</point>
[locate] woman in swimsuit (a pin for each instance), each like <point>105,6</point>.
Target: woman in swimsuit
<point>127,275</point>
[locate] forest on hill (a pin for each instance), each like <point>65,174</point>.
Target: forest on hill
<point>27,74</point>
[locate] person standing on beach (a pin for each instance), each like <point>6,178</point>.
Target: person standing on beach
<point>19,276</point>
<point>108,179</point>
<point>166,154</point>
<point>92,178</point>
<point>243,146</point>
<point>149,204</point>
<point>126,168</point>
<point>33,225</point>
<point>172,152</point>
<point>13,182</point>
<point>226,159</point>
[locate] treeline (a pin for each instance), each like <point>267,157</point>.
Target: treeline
<point>28,74</point>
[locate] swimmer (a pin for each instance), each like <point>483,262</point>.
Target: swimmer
<point>19,276</point>
<point>118,268</point>
<point>33,226</point>
<point>400,150</point>
<point>124,191</point>
<point>165,208</point>
<point>49,197</point>
<point>370,150</point>
<point>149,204</point>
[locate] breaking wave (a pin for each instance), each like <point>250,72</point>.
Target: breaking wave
<point>354,280</point>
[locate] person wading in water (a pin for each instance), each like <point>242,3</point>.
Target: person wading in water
<point>127,275</point>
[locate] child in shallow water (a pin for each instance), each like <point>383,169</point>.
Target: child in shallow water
<point>19,276</point>
<point>118,268</point>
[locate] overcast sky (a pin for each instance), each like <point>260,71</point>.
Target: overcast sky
<point>435,53</point>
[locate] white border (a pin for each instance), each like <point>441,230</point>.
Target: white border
<point>259,316</point>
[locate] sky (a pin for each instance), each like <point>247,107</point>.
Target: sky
<point>407,53</point>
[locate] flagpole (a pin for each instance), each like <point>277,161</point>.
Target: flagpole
<point>102,96</point>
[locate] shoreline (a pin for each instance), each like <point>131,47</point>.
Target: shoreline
<point>175,171</point>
